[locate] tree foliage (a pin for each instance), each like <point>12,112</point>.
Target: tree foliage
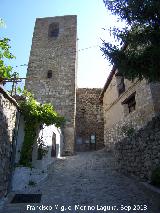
<point>139,53</point>
<point>5,70</point>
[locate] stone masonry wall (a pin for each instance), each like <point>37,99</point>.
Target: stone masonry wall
<point>140,154</point>
<point>89,119</point>
<point>55,54</point>
<point>117,119</point>
<point>155,90</point>
<point>8,110</point>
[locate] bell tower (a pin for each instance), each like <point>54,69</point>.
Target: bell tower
<point>51,75</point>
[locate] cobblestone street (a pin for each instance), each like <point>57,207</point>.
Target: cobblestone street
<point>87,182</point>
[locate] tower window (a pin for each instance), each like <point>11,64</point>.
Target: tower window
<point>49,74</point>
<point>53,30</point>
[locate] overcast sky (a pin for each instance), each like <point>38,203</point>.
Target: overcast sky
<point>20,16</point>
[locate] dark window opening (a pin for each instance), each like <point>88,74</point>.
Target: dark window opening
<point>130,102</point>
<point>49,74</point>
<point>53,30</point>
<point>120,84</point>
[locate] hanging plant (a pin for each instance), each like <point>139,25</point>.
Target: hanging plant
<point>35,115</point>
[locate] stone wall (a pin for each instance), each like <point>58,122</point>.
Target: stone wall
<point>140,154</point>
<point>117,119</point>
<point>155,90</point>
<point>51,75</point>
<point>8,112</point>
<point>89,119</point>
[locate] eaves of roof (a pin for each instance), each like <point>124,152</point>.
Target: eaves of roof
<point>6,95</point>
<point>107,83</point>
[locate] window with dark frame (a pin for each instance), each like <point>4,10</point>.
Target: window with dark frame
<point>120,84</point>
<point>49,74</point>
<point>53,30</point>
<point>130,102</point>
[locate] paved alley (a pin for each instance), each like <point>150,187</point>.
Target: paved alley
<point>86,182</point>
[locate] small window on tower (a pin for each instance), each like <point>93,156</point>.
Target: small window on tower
<point>53,30</point>
<point>49,74</point>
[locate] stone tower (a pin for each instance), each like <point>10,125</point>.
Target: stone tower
<point>51,75</point>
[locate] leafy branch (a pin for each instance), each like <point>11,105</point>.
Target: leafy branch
<point>5,70</point>
<point>35,115</point>
<point>141,37</point>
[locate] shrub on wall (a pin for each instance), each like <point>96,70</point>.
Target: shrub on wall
<point>127,130</point>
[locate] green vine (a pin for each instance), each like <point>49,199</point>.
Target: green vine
<point>35,114</point>
<point>5,71</point>
<point>128,130</point>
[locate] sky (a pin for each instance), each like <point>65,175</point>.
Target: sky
<point>92,19</point>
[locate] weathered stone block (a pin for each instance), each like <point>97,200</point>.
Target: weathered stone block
<point>8,110</point>
<point>143,156</point>
<point>89,119</point>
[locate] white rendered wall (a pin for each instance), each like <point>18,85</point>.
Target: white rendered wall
<point>23,175</point>
<point>47,134</point>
